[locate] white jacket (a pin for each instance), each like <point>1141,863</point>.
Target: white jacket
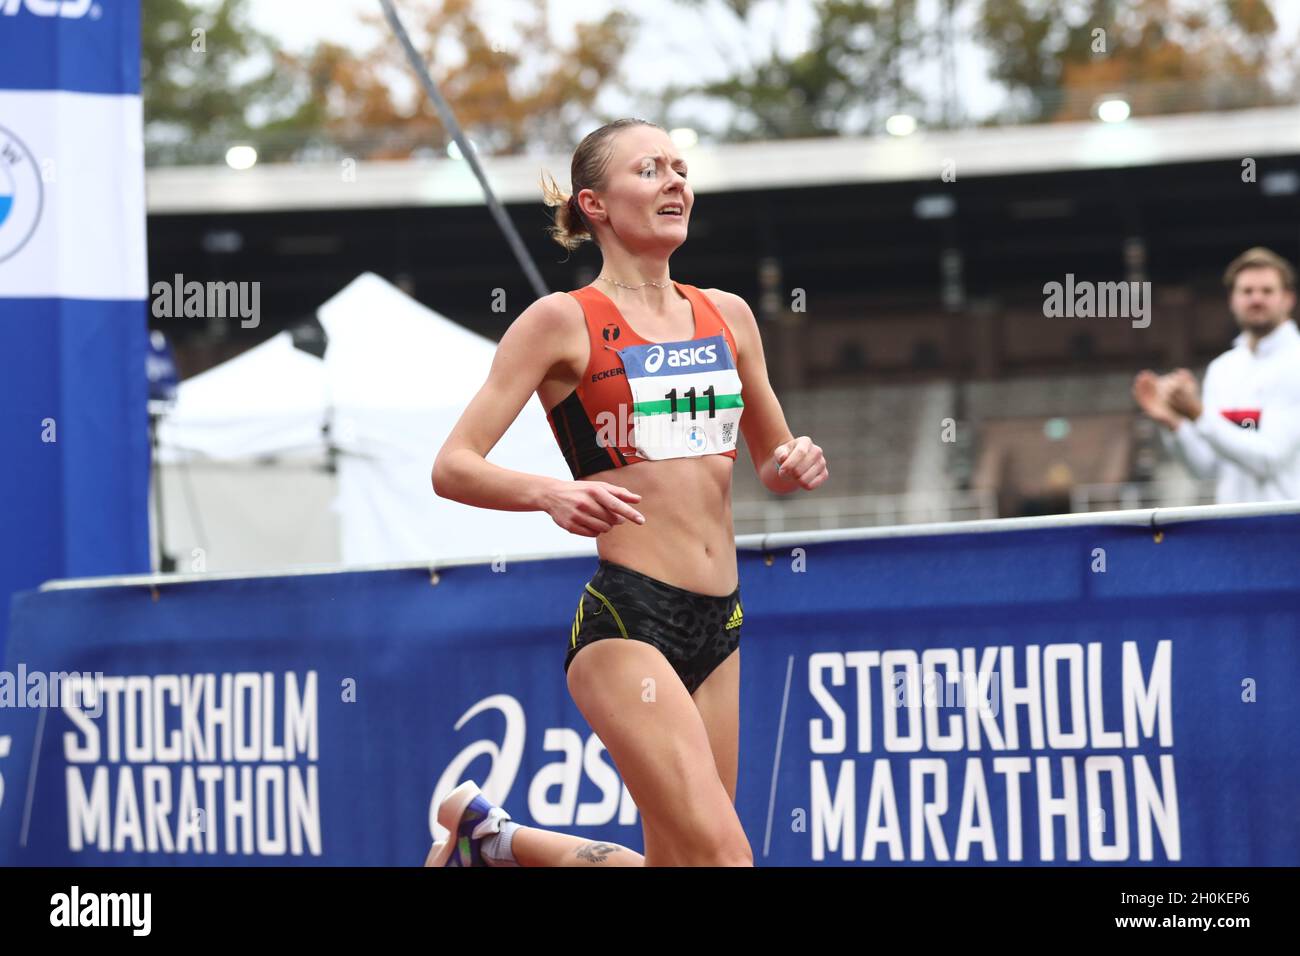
<point>1259,459</point>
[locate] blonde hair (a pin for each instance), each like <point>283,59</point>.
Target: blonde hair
<point>587,171</point>
<point>1260,258</point>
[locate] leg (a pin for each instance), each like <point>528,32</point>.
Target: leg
<point>718,701</point>
<point>661,749</point>
<point>534,847</point>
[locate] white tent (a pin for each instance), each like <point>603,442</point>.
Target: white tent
<point>245,451</point>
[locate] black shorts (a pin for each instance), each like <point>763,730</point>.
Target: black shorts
<point>696,632</point>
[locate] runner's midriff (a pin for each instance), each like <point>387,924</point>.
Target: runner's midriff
<point>688,539</point>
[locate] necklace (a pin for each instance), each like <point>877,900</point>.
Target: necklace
<point>624,285</point>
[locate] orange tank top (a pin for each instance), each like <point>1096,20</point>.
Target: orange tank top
<point>639,400</point>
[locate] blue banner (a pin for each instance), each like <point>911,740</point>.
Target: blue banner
<point>83,46</point>
<point>73,332</point>
<point>1075,695</point>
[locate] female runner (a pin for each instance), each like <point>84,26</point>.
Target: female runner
<point>642,377</point>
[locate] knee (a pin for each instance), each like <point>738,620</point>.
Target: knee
<point>740,856</point>
<point>729,848</point>
<point>737,853</point>
<point>734,854</point>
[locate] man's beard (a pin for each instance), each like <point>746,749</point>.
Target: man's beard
<point>1260,322</point>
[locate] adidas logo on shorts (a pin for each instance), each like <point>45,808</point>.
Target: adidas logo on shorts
<point>736,617</point>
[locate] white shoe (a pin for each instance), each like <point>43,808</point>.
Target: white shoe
<point>469,818</point>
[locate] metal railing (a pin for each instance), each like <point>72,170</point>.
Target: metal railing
<point>810,513</point>
<point>806,513</point>
<point>1123,496</point>
<point>1144,518</point>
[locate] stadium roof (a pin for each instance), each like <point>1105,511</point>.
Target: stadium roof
<point>733,167</point>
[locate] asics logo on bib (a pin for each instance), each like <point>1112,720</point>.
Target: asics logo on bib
<point>70,9</point>
<point>679,358</point>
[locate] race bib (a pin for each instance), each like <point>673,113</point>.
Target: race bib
<point>685,398</point>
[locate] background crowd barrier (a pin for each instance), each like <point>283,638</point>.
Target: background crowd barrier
<point>1082,690</point>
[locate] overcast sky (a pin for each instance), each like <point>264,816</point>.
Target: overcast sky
<point>673,43</point>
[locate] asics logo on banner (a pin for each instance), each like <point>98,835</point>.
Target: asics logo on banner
<point>579,760</point>
<point>505,757</point>
<point>69,9</point>
<point>22,194</point>
<point>680,358</point>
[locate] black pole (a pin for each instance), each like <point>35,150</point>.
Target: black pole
<point>449,120</point>
<point>166,563</point>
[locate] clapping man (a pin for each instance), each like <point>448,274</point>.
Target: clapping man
<point>1243,428</point>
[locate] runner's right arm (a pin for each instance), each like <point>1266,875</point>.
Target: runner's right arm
<point>531,347</point>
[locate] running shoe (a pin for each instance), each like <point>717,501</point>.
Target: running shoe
<point>433,853</point>
<point>469,819</point>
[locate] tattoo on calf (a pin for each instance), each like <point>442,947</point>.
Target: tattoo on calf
<point>596,852</point>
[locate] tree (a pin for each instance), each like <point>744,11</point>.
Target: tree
<point>1057,57</point>
<point>850,77</point>
<point>1170,58</point>
<point>505,101</point>
<point>228,82</point>
<point>192,59</point>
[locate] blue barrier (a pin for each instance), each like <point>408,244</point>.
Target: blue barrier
<point>1046,693</point>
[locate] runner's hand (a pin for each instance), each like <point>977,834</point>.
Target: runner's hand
<point>802,461</point>
<point>591,508</point>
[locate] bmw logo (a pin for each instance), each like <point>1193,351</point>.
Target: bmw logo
<point>22,194</point>
<point>610,332</point>
<point>696,439</point>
